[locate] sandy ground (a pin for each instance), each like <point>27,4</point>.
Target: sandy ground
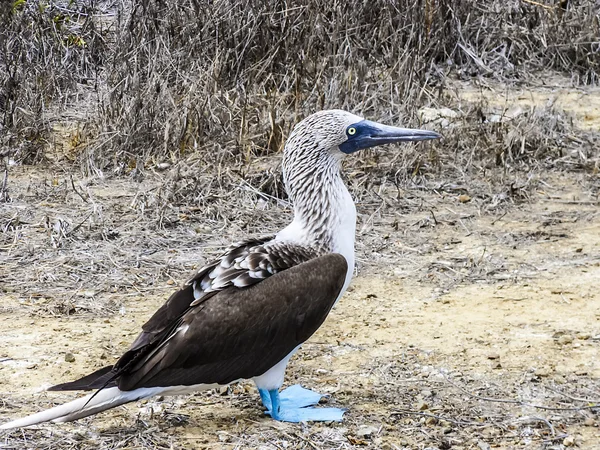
<point>464,328</point>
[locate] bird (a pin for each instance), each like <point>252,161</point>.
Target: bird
<point>244,314</point>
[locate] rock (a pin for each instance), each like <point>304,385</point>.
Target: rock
<point>366,430</point>
<point>356,441</point>
<point>443,117</point>
<point>583,336</point>
<point>589,422</point>
<point>493,355</point>
<point>542,372</point>
<point>464,198</point>
<point>422,406</point>
<point>69,357</point>
<point>431,421</point>
<point>565,339</point>
<point>569,441</point>
<point>483,445</point>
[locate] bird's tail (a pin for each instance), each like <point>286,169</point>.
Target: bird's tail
<point>83,407</point>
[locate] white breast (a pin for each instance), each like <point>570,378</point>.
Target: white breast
<point>343,231</point>
<point>344,234</point>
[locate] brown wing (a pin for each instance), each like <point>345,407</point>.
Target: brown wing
<point>146,358</point>
<point>242,265</point>
<point>241,333</point>
<point>181,300</point>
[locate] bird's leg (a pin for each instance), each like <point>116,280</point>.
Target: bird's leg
<point>275,404</point>
<point>293,397</point>
<point>292,407</point>
<point>265,398</point>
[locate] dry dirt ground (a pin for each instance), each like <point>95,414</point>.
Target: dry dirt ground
<point>465,328</point>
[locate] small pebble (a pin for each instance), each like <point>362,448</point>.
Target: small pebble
<point>565,339</point>
<point>69,357</point>
<point>422,406</point>
<point>431,421</point>
<point>464,198</point>
<point>542,372</point>
<point>163,166</point>
<point>589,422</point>
<point>569,441</point>
<point>493,355</point>
<point>366,430</point>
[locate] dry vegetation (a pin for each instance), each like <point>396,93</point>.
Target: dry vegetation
<point>156,130</point>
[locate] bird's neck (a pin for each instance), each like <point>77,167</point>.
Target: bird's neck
<point>324,213</point>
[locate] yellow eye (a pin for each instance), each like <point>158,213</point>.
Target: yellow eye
<point>352,131</point>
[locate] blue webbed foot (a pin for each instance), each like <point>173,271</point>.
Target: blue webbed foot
<point>309,414</point>
<point>298,397</point>
<point>292,405</point>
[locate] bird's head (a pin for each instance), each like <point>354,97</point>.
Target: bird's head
<point>338,133</point>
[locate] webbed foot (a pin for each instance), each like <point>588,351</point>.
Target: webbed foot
<point>293,405</point>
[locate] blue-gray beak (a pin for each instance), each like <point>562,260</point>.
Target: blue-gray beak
<point>365,134</point>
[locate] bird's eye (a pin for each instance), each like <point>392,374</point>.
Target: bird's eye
<point>352,131</point>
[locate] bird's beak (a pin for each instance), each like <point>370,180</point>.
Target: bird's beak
<point>371,134</point>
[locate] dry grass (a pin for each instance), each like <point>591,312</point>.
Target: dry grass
<point>50,53</point>
<point>227,80</point>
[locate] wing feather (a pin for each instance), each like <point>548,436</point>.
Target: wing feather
<point>241,333</point>
<point>243,266</point>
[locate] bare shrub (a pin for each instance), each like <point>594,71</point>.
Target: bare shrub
<point>203,76</point>
<point>47,51</point>
<point>227,80</point>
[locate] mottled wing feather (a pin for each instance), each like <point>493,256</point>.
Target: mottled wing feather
<point>241,333</point>
<point>180,301</point>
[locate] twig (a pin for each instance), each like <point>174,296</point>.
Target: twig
<point>576,399</point>
<point>76,191</point>
<point>537,419</point>
<point>498,218</point>
<point>519,402</point>
<point>3,192</point>
<point>541,5</point>
<point>433,215</point>
<point>435,416</point>
<point>79,225</point>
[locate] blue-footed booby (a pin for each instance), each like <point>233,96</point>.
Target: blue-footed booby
<point>243,315</point>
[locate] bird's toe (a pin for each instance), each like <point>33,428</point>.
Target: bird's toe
<point>298,397</point>
<point>296,415</point>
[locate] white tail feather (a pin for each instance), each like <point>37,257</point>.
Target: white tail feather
<point>83,407</point>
